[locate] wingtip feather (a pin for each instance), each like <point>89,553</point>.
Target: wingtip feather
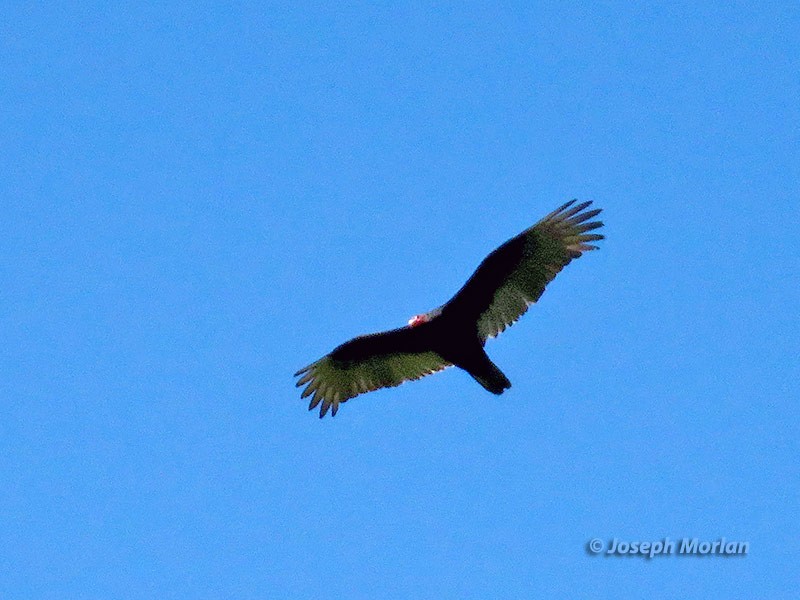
<point>563,216</point>
<point>584,227</point>
<point>304,379</point>
<point>323,410</point>
<point>592,237</point>
<point>580,218</point>
<point>558,210</point>
<point>315,400</point>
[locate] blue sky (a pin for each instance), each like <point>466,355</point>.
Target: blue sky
<point>199,199</point>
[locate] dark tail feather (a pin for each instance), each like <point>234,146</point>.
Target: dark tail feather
<point>492,378</point>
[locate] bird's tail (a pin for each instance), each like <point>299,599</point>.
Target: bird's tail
<point>490,377</point>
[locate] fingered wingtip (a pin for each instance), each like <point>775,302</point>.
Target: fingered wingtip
<point>564,206</point>
<point>572,213</point>
<point>580,217</point>
<point>566,214</point>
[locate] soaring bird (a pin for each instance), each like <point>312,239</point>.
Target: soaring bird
<point>498,293</point>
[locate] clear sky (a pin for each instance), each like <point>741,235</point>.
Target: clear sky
<point>199,199</point>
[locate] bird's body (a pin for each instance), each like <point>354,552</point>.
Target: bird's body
<point>499,292</point>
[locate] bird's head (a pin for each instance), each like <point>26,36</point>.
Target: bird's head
<point>418,320</point>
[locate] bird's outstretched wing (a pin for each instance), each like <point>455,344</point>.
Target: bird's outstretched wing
<point>514,276</point>
<point>367,363</point>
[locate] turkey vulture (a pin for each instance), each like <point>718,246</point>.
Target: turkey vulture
<point>499,292</point>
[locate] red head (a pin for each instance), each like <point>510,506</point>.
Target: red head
<point>418,320</point>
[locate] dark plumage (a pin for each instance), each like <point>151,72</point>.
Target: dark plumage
<point>499,292</point>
